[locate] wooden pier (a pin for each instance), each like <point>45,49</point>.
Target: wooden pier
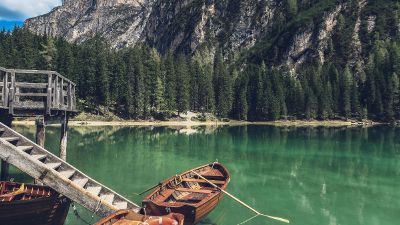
<point>35,92</point>
<point>56,173</point>
<point>50,97</point>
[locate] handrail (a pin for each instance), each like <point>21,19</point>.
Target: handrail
<point>60,93</point>
<point>36,72</point>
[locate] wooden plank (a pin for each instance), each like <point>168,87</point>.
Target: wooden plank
<point>53,165</point>
<point>194,190</point>
<point>31,94</point>
<point>121,205</point>
<point>67,174</point>
<point>25,148</point>
<point>49,105</point>
<point>31,85</point>
<point>203,181</point>
<point>56,94</point>
<point>95,190</point>
<point>39,157</point>
<point>62,92</point>
<point>81,182</point>
<point>10,139</point>
<point>108,198</point>
<point>6,91</point>
<point>12,94</point>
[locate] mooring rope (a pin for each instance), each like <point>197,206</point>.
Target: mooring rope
<point>248,220</point>
<point>79,216</point>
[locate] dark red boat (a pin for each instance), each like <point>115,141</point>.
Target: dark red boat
<point>26,204</point>
<point>189,194</point>
<point>127,217</point>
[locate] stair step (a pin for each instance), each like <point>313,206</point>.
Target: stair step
<point>67,174</point>
<point>39,157</point>
<point>81,182</point>
<point>10,139</point>
<point>107,198</point>
<point>53,165</point>
<point>25,148</point>
<point>94,190</point>
<point>121,205</point>
<point>2,129</point>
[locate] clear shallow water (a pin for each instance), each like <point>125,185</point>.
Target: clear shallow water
<point>312,176</point>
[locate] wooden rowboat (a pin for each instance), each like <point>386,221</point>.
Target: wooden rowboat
<point>31,205</point>
<point>188,194</point>
<point>128,217</point>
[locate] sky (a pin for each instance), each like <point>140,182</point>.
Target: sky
<point>16,11</point>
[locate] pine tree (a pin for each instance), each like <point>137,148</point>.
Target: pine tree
<point>49,53</point>
<point>240,106</point>
<point>223,87</point>
<point>170,83</point>
<point>182,90</point>
<point>345,94</point>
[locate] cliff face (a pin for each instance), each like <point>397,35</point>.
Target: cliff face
<point>283,33</point>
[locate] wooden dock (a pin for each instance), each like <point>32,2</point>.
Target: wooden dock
<point>56,173</point>
<point>35,92</point>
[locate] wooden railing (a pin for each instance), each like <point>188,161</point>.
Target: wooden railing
<point>36,90</point>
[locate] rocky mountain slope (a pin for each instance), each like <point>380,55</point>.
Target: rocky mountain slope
<point>285,33</point>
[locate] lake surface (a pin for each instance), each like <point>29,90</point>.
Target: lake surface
<point>312,176</point>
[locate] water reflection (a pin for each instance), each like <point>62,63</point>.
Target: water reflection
<point>309,175</point>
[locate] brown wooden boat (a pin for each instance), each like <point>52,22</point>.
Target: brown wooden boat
<point>128,217</point>
<point>25,204</point>
<point>188,194</point>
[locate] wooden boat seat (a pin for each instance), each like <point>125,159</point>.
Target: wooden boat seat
<point>165,195</point>
<point>194,190</point>
<point>203,181</point>
<point>212,174</point>
<point>127,222</point>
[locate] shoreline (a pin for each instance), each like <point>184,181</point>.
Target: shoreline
<point>278,123</point>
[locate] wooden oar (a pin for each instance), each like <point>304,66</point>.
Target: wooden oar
<point>139,194</point>
<point>241,202</point>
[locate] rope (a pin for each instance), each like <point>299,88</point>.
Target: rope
<point>239,201</point>
<point>248,220</point>
<point>78,216</point>
<point>97,208</point>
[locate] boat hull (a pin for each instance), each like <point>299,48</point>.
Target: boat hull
<point>193,212</point>
<point>38,211</point>
<point>43,211</point>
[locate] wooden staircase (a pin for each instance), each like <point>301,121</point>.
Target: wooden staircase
<point>49,169</point>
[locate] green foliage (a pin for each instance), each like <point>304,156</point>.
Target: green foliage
<point>140,83</point>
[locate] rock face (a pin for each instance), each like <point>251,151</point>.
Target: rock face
<point>262,30</point>
<point>119,21</point>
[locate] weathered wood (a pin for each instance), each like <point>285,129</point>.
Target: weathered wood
<point>6,91</point>
<point>64,138</point>
<point>62,92</point>
<point>30,95</point>
<point>5,167</point>
<point>48,105</point>
<point>54,96</point>
<point>70,187</point>
<point>31,85</point>
<point>40,131</point>
<point>12,93</point>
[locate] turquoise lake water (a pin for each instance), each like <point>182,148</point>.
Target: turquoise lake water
<point>311,176</point>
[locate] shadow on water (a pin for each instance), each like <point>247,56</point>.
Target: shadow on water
<point>312,176</point>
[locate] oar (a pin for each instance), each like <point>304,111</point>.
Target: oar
<point>139,194</point>
<point>241,202</point>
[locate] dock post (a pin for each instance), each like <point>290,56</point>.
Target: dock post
<point>64,137</point>
<point>5,167</point>
<point>40,131</point>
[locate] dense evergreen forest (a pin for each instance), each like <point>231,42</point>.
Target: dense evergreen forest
<point>139,83</point>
